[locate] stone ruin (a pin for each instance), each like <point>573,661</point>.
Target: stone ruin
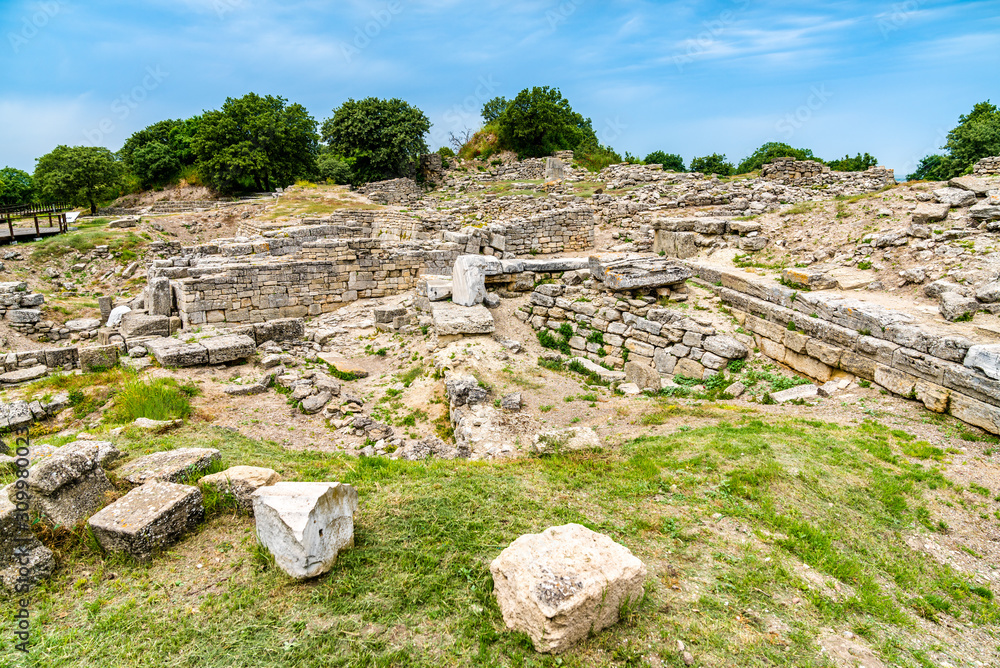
<point>987,166</point>
<point>811,172</point>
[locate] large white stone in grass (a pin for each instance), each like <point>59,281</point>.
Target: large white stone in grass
<point>564,583</point>
<point>305,524</point>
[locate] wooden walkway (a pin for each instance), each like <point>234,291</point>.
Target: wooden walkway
<point>25,223</point>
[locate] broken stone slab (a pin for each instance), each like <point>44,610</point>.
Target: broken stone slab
<point>241,482</point>
<point>139,324</point>
<point>171,352</point>
<point>228,348</point>
<point>725,346</point>
<point>986,358</point>
<point>24,561</point>
<point>929,212</point>
<point>795,393</point>
<point>985,211</point>
<point>619,275</point>
<point>452,319</point>
<point>468,278</point>
<point>98,358</point>
<point>606,375</point>
<point>828,389</point>
<point>979,186</point>
<point>465,390</point>
<point>304,525</point>
<point>156,426</point>
<point>316,402</point>
<point>511,402</point>
<point>16,413</point>
<point>83,325</point>
<point>555,264</point>
<point>563,584</point>
<point>643,376</point>
<point>344,365</point>
<point>735,390</point>
<point>955,197</point>
<point>989,293</point>
<point>958,307</point>
<point>67,487</point>
<point>565,440</point>
<point>170,465</point>
<point>438,290</point>
<point>386,314</point>
<point>150,517</point>
<point>160,298</point>
<point>104,453</point>
<point>812,278</point>
<point>24,375</point>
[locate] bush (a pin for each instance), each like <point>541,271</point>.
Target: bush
<point>767,153</point>
<point>334,168</point>
<point>712,164</point>
<point>858,163</point>
<point>159,399</point>
<point>671,161</point>
<point>593,157</point>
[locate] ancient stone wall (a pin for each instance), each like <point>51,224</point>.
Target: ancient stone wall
<point>824,335</point>
<point>810,172</point>
<point>324,274</point>
<point>393,191</point>
<point>987,166</point>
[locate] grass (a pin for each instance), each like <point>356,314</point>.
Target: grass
<point>84,241</point>
<point>416,590</point>
<point>158,399</point>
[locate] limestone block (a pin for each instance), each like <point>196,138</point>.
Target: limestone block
<point>606,375</point>
<point>241,482</point>
<point>305,524</point>
<point>725,346</point>
<point>975,412</point>
<point>897,382</point>
<point>824,352</point>
<point>795,341</point>
<point>174,353</point>
<point>24,561</point>
<point>66,488</point>
<point>160,297</point>
<point>934,397</point>
<point>96,358</point>
<point>772,349</point>
<point>985,358</point>
<point>809,366</point>
<point>971,183</point>
<point>689,368</point>
<point>795,393</point>
<point>16,413</point>
<point>955,306</point>
<point>169,465</point>
<point>24,375</point>
<point>564,440</point>
<point>228,347</point>
<point>563,584</point>
<point>151,516</point>
<point>859,365</point>
<point>955,197</point>
<point>468,278</point>
<point>139,324</point>
<point>56,358</point>
<point>644,376</point>
<point>451,319</point>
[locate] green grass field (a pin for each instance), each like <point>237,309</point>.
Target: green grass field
<point>756,537</point>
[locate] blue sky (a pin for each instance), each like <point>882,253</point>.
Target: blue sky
<point>694,78</point>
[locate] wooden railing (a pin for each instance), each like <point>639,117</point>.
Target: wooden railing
<point>55,212</point>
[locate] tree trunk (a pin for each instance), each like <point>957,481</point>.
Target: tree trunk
<point>256,181</point>
<point>93,208</point>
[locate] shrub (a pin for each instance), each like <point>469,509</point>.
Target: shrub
<point>712,164</point>
<point>334,168</point>
<point>768,152</point>
<point>671,161</point>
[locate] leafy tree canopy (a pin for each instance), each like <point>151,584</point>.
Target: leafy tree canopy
<point>976,136</point>
<point>334,168</point>
<point>256,142</point>
<point>671,161</point>
<point>539,121</point>
<point>383,137</point>
<point>16,187</point>
<point>768,152</point>
<point>493,109</point>
<point>712,164</point>
<point>858,163</point>
<point>80,175</point>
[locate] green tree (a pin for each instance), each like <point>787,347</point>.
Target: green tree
<point>382,137</point>
<point>858,163</point>
<point>16,187</point>
<point>156,154</point>
<point>334,168</point>
<point>976,136</point>
<point>80,175</point>
<point>256,142</point>
<point>493,109</point>
<point>768,152</point>
<point>932,168</point>
<point>712,164</point>
<point>671,161</point>
<point>539,121</point>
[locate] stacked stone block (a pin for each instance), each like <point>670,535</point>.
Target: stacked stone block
<point>987,166</point>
